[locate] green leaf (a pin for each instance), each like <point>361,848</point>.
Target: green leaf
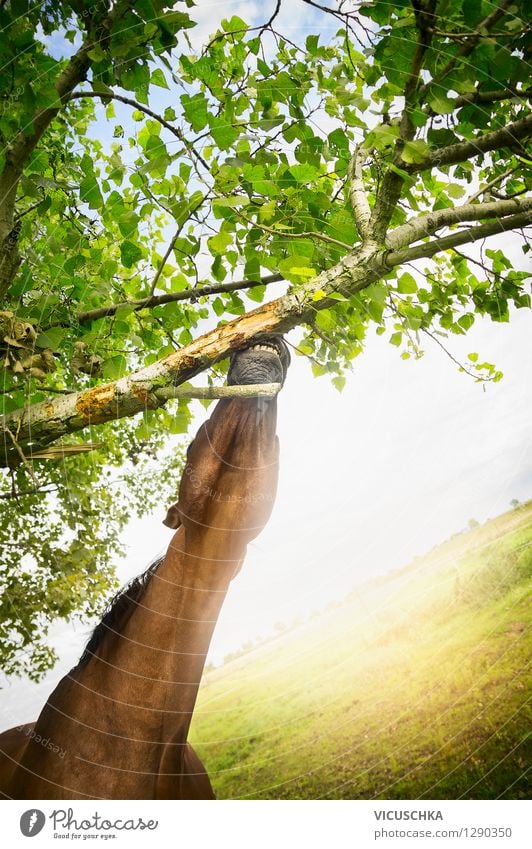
<point>466,321</point>
<point>177,21</point>
<point>406,284</point>
<point>223,134</point>
<point>195,110</point>
<point>256,293</point>
<point>179,422</point>
<point>51,338</point>
<point>325,320</point>
<point>234,24</point>
<point>158,78</point>
<point>454,190</point>
<point>115,367</point>
<point>339,382</point>
<point>304,173</point>
<point>89,192</point>
<point>96,53</point>
<point>130,253</point>
<point>311,43</point>
<point>415,152</point>
<point>294,267</point>
<point>440,104</point>
<point>219,243</point>
<point>124,310</point>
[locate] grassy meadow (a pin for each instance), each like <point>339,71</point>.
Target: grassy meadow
<point>416,686</point>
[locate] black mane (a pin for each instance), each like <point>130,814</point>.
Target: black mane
<point>118,610</point>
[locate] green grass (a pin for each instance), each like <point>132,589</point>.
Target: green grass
<point>415,687</point>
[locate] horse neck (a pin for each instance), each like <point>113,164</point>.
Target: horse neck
<point>152,669</point>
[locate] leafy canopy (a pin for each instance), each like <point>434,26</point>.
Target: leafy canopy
<point>154,185</point>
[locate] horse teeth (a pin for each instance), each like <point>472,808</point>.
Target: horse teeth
<point>260,347</point>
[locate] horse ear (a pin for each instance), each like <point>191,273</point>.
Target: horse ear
<point>173,519</point>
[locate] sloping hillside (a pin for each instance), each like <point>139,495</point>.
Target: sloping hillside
<point>416,686</point>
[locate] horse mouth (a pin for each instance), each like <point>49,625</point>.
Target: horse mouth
<point>261,361</point>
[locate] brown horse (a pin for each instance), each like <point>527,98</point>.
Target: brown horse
<point>116,725</point>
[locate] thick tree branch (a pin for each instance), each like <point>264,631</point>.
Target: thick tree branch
<point>43,423</point>
<point>392,184</point>
<point>40,424</point>
<point>425,225</point>
<point>168,298</point>
<point>18,153</point>
<point>508,136</point>
<point>358,196</point>
<point>461,237</point>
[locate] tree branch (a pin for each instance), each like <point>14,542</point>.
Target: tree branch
<point>168,298</point>
<point>392,184</point>
<point>45,422</point>
<point>462,237</point>
<point>129,101</point>
<point>425,225</point>
<point>506,137</point>
<point>18,153</point>
<point>482,28</point>
<point>357,194</point>
<point>488,186</point>
<point>250,390</point>
<point>23,457</point>
<point>172,244</point>
<point>311,234</point>
<point>491,96</point>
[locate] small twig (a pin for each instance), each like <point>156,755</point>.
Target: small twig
<point>20,215</point>
<point>306,235</point>
<point>492,183</point>
<point>303,353</point>
<point>471,34</point>
<point>23,458</point>
<point>54,390</point>
<point>500,196</point>
<point>487,271</point>
<point>472,374</point>
<point>15,494</point>
<point>128,101</point>
<point>165,258</point>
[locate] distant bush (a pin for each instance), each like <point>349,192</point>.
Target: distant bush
<point>502,571</point>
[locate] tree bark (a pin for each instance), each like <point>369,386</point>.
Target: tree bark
<point>43,423</point>
<point>36,426</point>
